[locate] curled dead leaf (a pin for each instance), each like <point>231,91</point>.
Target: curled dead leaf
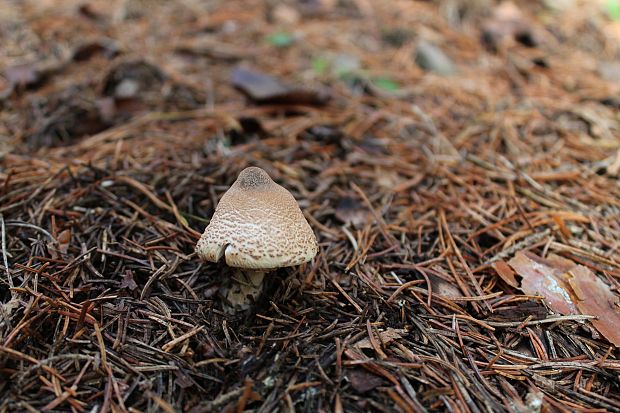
<point>569,288</point>
<point>444,288</point>
<point>545,277</point>
<point>505,273</point>
<point>596,298</point>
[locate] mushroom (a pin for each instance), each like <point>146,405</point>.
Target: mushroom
<point>257,226</point>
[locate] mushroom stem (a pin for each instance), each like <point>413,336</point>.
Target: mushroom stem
<point>255,278</point>
<point>248,285</point>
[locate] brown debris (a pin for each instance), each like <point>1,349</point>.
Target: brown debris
<point>384,337</point>
<point>594,297</point>
<point>505,273</point>
<point>546,277</point>
<point>569,288</point>
<point>265,89</point>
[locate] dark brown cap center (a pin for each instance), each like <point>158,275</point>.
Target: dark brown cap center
<point>253,177</point>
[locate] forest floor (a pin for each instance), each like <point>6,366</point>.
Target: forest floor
<point>458,161</point>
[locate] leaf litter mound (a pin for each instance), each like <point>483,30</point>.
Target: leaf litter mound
<point>446,202</point>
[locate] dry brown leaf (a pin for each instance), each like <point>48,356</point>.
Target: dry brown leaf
<point>64,239</point>
<point>505,273</point>
<point>386,337</point>
<point>569,288</point>
<point>444,288</point>
<point>363,381</point>
<point>545,277</point>
<point>596,298</point>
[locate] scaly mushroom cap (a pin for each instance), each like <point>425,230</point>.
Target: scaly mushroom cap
<point>257,225</point>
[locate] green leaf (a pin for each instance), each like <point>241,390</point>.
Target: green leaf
<point>386,84</point>
<point>280,39</point>
<point>319,65</point>
<point>613,9</point>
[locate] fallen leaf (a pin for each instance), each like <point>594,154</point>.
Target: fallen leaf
<point>363,381</point>
<point>257,86</point>
<point>443,288</point>
<point>569,288</point>
<point>545,277</point>
<point>505,273</point>
<point>385,337</point>
<point>262,88</point>
<point>596,298</point>
<point>64,239</point>
<point>369,364</point>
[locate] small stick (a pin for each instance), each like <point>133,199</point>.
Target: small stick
<point>5,259</point>
<point>349,299</point>
<point>170,345</point>
<point>578,317</point>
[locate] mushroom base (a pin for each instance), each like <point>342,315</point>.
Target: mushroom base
<point>245,290</point>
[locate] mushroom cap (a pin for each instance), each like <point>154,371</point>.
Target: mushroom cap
<point>257,225</point>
